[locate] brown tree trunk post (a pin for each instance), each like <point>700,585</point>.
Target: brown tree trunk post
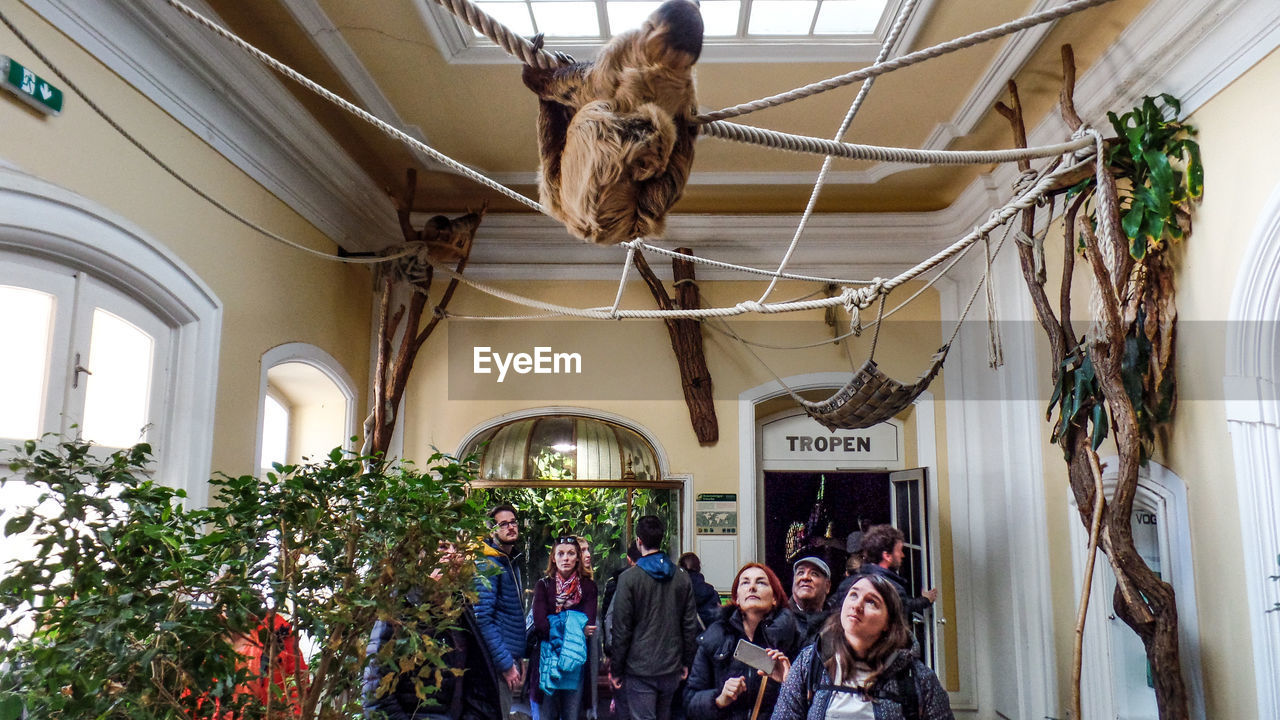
<point>391,371</point>
<point>1142,599</point>
<point>686,342</point>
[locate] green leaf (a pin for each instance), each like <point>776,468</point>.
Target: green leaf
<point>1099,425</point>
<point>19,524</point>
<point>10,706</point>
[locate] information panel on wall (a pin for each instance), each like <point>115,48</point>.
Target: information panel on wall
<point>800,442</point>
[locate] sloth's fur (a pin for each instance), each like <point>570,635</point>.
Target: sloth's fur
<point>614,135</point>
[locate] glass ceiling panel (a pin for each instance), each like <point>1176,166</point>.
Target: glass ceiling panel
<point>781,17</point>
<point>567,19</point>
<point>722,19</point>
<point>848,17</point>
<point>514,15</point>
<point>625,16</point>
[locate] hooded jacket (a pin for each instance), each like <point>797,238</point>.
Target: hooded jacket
<point>655,623</point>
<point>715,664</point>
<point>500,606</point>
<point>908,691</point>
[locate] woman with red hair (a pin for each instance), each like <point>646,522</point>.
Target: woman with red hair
<point>721,687</point>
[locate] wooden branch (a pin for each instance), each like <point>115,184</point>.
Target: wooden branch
<point>1067,95</point>
<point>686,343</point>
<point>391,376</point>
<point>1059,343</point>
<point>1082,612</point>
<point>1068,265</point>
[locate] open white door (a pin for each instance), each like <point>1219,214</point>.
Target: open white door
<point>909,508</point>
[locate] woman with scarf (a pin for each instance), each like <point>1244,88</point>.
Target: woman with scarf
<point>720,687</point>
<point>560,599</point>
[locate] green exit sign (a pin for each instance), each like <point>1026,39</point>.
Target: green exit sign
<point>29,87</point>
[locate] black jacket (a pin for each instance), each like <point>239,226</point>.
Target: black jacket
<point>705,598</point>
<point>655,625</point>
<point>714,664</point>
<point>910,604</point>
<point>471,696</point>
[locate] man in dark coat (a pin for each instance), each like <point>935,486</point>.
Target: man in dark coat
<point>810,584</point>
<point>655,627</point>
<point>882,555</point>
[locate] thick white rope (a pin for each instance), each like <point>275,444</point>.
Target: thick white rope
<point>849,298</point>
<point>903,61</point>
<point>622,282</point>
<point>819,146</point>
<point>890,40</point>
<point>404,252</point>
<point>354,109</point>
<point>746,306</point>
<point>642,245</point>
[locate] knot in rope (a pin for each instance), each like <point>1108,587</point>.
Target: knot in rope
<point>1086,130</point>
<point>754,306</point>
<point>1025,182</point>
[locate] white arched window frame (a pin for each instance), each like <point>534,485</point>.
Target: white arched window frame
<point>1252,393</point>
<point>317,358</point>
<point>58,228</point>
<point>1163,495</point>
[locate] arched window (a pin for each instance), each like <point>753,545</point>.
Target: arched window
<point>113,337</point>
<point>307,405</point>
<point>575,473</point>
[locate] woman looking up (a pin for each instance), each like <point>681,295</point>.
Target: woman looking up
<point>564,619</point>
<point>721,687</point>
<point>862,666</point>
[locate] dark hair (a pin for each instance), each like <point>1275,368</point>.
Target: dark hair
<point>493,511</point>
<point>689,562</point>
<point>633,551</point>
<point>551,557</point>
<point>832,642</point>
<point>779,592</point>
<point>878,540</point>
<point>649,530</point>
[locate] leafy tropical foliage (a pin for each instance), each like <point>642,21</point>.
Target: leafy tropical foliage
<point>132,605</point>
<point>1157,165</point>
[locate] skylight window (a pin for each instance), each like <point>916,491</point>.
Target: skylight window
<point>577,25</point>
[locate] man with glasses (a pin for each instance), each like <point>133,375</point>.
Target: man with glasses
<point>500,602</point>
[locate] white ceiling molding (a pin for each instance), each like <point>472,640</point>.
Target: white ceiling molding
<point>217,92</point>
<point>328,40</point>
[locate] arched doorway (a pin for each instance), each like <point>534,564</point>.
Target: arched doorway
<point>575,471</point>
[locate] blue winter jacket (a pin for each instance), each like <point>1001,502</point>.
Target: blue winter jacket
<point>562,655</point>
<point>500,606</point>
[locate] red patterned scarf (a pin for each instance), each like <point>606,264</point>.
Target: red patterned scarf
<point>568,592</point>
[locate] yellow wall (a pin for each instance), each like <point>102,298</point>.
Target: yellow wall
<point>1240,174</point>
<point>641,382</point>
<point>269,294</point>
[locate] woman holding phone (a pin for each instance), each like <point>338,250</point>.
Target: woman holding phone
<point>560,600</point>
<point>722,687</point>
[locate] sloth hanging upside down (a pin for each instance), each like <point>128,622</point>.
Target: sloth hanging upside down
<point>615,135</point>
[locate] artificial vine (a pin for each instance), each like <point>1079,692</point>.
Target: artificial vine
<point>1156,163</point>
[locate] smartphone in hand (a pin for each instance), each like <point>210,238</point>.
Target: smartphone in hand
<point>753,656</point>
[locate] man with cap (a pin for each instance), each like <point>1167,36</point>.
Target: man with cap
<point>811,581</point>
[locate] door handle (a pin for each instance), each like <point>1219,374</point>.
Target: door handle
<point>75,378</point>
